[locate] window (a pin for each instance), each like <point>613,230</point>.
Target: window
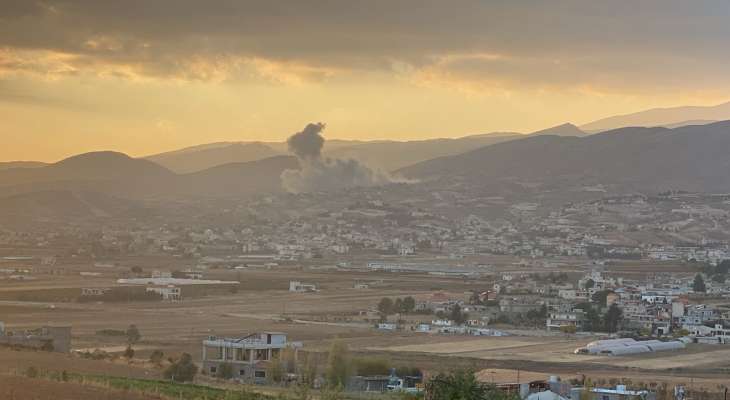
<point>213,370</point>
<point>262,354</point>
<point>259,374</point>
<point>242,372</point>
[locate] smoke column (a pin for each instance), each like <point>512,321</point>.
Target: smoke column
<point>318,173</point>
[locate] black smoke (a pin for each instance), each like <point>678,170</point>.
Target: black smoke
<point>320,173</point>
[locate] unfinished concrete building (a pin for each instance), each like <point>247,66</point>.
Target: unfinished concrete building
<point>49,337</point>
<point>249,356</point>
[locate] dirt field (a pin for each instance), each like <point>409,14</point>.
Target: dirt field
<point>21,388</point>
<point>264,303</point>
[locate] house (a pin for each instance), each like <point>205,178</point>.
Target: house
<point>49,337</point>
<point>296,286</point>
<point>92,292</point>
<point>249,355</point>
<point>565,316</point>
<point>387,326</point>
<point>167,292</point>
<point>621,393</point>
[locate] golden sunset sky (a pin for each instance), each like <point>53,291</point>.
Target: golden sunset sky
<point>146,76</point>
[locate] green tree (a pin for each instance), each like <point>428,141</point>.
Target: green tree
<point>156,357</point>
<point>182,370</point>
<point>133,335</point>
<point>369,366</point>
<point>129,352</point>
<point>224,371</point>
<point>398,305</point>
<point>338,365</point>
<point>699,284</point>
<point>614,316</point>
<point>463,385</point>
<point>385,306</point>
<point>590,283</point>
<point>275,371</point>
<point>457,315</point>
<point>409,304</point>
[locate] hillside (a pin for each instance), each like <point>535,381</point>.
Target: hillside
<point>53,205</point>
<point>232,179</point>
<point>95,166</point>
<point>21,164</point>
<point>392,155</point>
<point>646,159</point>
<point>117,174</point>
<point>664,117</point>
<point>204,157</point>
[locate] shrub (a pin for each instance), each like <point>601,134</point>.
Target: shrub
<point>183,370</point>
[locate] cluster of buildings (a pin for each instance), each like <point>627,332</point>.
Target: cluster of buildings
<point>48,338</point>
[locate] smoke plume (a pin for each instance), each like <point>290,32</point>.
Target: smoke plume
<point>319,173</point>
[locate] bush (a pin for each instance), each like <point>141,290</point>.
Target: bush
<point>224,371</point>
<point>183,370</point>
<point>128,353</point>
<point>157,356</point>
<point>31,372</point>
<point>368,366</point>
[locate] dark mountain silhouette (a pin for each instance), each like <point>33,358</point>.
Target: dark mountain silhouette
<point>45,206</point>
<point>645,159</point>
<point>21,164</point>
<point>665,117</point>
<point>567,129</point>
<point>95,166</point>
<point>232,179</point>
<point>206,157</point>
<point>119,175</point>
<point>391,155</point>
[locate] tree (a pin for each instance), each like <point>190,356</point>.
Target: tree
<point>409,304</point>
<point>385,306</point>
<point>699,284</point>
<point>275,371</point>
<point>129,352</point>
<point>369,366</point>
<point>338,366</point>
<point>457,316</point>
<point>590,283</point>
<point>156,357</point>
<point>600,296</point>
<point>183,370</point>
<point>133,335</point>
<point>398,305</point>
<point>614,316</point>
<point>224,371</point>
<point>463,385</point>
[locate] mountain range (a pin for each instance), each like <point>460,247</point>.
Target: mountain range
<point>388,155</point>
<point>671,117</point>
<point>691,157</point>
<point>565,157</point>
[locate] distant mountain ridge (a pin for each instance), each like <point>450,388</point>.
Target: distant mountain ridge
<point>665,117</point>
<point>388,155</point>
<point>116,174</point>
<point>646,159</point>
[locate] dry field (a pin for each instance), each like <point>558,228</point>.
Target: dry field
<point>21,388</point>
<point>263,303</point>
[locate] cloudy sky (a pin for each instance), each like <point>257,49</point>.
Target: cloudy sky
<point>144,76</point>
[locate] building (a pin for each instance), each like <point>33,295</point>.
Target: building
<point>565,316</point>
<point>49,337</point>
<point>167,292</point>
<point>621,393</point>
<point>296,286</point>
<point>249,356</point>
<point>90,292</point>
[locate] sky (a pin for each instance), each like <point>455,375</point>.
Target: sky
<point>146,76</point>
